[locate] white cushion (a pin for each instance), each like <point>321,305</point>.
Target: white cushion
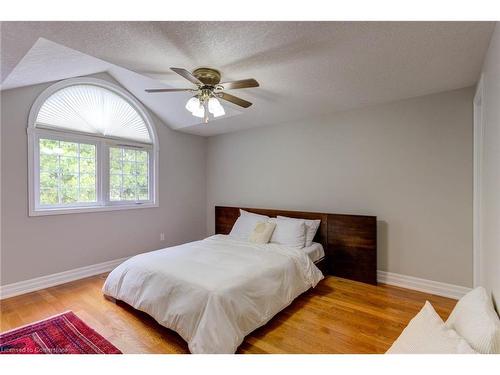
<point>311,228</point>
<point>475,319</point>
<point>245,224</point>
<point>262,232</point>
<point>289,233</point>
<point>260,217</point>
<point>427,334</point>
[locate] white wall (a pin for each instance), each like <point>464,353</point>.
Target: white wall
<point>36,246</point>
<point>408,162</point>
<point>490,177</point>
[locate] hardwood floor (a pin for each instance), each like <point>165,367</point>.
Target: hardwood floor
<point>338,316</point>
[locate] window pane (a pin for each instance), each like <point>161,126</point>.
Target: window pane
<point>128,194</point>
<point>142,169</point>
<point>69,148</point>
<point>87,151</point>
<point>48,180</point>
<point>115,165</point>
<point>143,194</point>
<point>87,180</point>
<point>129,184</point>
<point>129,174</point>
<point>48,196</point>
<point>69,181</point>
<point>114,194</point>
<point>142,182</point>
<point>67,172</point>
<point>48,146</point>
<point>49,163</point>
<point>128,167</point>
<point>115,153</point>
<point>142,156</point>
<point>115,181</point>
<point>87,193</point>
<point>68,165</point>
<point>129,155</point>
<point>87,166</point>
<point>69,194</point>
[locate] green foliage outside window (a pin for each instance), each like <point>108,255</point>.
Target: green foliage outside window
<point>67,172</point>
<point>129,174</point>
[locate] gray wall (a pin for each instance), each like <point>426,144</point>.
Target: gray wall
<point>408,162</point>
<point>36,246</point>
<point>490,215</point>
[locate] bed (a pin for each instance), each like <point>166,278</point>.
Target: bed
<point>215,291</point>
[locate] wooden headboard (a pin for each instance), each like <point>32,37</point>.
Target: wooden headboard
<point>350,241</point>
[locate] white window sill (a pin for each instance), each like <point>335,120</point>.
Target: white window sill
<point>88,209</point>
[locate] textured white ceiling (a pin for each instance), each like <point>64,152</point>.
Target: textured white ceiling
<point>304,68</point>
<point>47,61</point>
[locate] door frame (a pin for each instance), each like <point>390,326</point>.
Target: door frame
<point>478,169</point>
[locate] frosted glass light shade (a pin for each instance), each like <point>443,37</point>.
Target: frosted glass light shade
<point>193,104</point>
<point>215,108</point>
<point>93,109</point>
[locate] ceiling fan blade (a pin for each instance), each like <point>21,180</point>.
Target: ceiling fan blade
<point>187,74</point>
<point>242,84</point>
<point>167,90</point>
<point>234,99</point>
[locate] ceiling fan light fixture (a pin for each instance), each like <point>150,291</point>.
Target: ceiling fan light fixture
<point>193,104</point>
<point>209,89</point>
<point>215,108</point>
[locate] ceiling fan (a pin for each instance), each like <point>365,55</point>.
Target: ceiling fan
<point>208,90</point>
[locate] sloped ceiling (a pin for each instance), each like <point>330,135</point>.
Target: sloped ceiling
<point>304,68</point>
<point>47,61</point>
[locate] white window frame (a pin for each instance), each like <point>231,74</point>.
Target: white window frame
<point>66,138</point>
<point>36,131</point>
<point>106,146</point>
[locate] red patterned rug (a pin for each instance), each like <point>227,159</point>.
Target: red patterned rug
<point>60,334</point>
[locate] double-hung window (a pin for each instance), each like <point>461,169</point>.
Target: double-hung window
<point>92,147</point>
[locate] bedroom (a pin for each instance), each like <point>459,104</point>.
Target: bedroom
<point>250,187</point>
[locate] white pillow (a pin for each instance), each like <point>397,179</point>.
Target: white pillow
<point>245,224</point>
<point>311,228</point>
<point>260,217</point>
<point>475,319</point>
<point>427,334</point>
<point>289,233</point>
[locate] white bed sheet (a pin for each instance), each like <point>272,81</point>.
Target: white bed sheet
<point>216,291</point>
<point>315,251</point>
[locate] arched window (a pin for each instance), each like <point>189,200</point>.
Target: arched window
<point>92,147</point>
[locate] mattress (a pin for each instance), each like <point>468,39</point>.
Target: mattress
<point>315,251</point>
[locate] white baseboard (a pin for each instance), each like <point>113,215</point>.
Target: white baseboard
<point>409,282</point>
<point>22,287</point>
<point>422,285</point>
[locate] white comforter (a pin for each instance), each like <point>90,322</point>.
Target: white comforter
<point>215,291</point>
